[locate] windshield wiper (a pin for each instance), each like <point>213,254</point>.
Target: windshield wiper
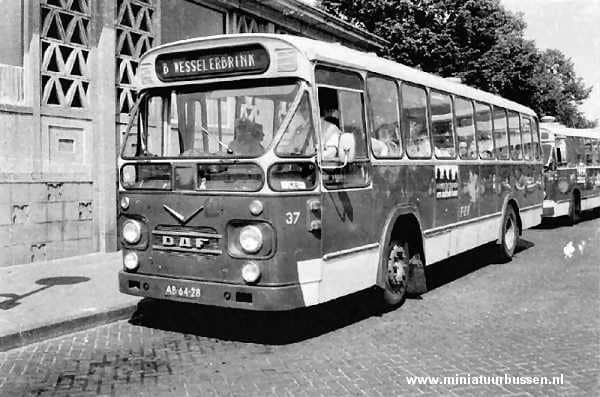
<point>208,134</point>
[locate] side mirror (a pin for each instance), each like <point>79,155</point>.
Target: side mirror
<point>346,152</point>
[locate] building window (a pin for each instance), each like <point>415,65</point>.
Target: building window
<point>65,42</point>
<point>186,19</point>
<point>134,37</point>
<point>11,31</point>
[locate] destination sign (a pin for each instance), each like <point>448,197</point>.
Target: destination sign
<point>210,63</point>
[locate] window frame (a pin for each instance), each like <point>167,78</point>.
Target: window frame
<point>506,134</point>
<point>404,133</point>
<point>471,101</point>
<point>370,110</point>
<point>364,163</point>
<point>453,121</point>
<point>491,124</point>
<point>522,157</point>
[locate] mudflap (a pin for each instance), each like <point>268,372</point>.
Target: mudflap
<point>417,284</point>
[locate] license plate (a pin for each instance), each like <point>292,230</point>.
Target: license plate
<point>182,292</point>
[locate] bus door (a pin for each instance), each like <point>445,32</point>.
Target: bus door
<point>346,202</point>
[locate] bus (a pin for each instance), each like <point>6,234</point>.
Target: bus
<point>571,170</point>
<point>273,172</point>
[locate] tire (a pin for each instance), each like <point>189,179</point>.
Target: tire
<point>574,210</point>
<point>396,273</point>
<point>510,234</point>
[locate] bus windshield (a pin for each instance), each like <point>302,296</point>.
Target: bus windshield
<point>228,120</point>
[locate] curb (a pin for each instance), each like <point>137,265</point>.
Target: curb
<point>26,337</point>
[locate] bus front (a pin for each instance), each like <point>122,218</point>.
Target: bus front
<point>218,188</point>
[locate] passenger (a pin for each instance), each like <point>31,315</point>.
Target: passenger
<point>419,145</point>
<point>331,134</point>
<point>387,143</point>
<point>249,136</point>
<point>462,149</point>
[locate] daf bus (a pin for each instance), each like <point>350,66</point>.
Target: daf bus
<point>572,170</point>
<point>271,172</point>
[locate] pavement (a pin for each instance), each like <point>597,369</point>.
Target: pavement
<point>46,299</point>
<point>535,316</point>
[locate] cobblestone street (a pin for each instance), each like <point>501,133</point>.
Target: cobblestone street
<point>535,316</point>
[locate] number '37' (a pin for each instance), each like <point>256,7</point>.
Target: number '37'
<point>291,218</point>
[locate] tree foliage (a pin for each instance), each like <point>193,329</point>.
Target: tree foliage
<point>478,41</point>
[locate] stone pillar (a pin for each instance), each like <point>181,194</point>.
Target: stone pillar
<point>103,105</point>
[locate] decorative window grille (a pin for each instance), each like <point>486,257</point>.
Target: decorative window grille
<point>244,23</point>
<point>65,42</point>
<point>135,36</point>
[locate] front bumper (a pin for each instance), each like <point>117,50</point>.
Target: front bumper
<point>217,294</point>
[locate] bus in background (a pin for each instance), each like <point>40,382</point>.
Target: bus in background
<point>271,172</point>
<point>571,169</point>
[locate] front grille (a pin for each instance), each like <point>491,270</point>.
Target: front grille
<point>190,240</point>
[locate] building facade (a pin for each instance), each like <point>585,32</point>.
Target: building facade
<point>66,87</point>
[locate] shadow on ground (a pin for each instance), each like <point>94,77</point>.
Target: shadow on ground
<point>553,223</point>
<point>276,328</point>
<point>14,300</point>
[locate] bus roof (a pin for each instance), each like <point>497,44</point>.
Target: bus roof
<point>337,54</point>
<point>561,130</point>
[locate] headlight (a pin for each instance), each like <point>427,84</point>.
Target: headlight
<point>130,261</point>
<point>128,176</point>
<point>250,272</point>
<point>251,239</point>
<point>132,231</point>
<point>124,202</point>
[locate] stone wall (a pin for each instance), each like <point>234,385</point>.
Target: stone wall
<point>46,220</point>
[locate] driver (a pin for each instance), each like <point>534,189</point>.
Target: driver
<point>248,138</point>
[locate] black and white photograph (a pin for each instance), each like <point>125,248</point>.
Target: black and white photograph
<point>299,198</point>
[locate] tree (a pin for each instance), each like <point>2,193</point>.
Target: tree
<point>559,91</point>
<point>476,40</point>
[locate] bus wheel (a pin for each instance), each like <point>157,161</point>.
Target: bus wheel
<point>510,234</point>
<point>397,271</point>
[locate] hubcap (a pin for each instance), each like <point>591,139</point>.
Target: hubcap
<point>510,234</point>
<point>396,268</point>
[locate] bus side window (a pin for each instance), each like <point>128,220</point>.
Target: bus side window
<point>382,97</point>
<point>536,138</point>
<point>442,127</point>
<point>465,128</point>
<point>526,137</point>
<point>516,150</point>
<point>500,133</point>
<point>588,151</point>
<point>485,143</point>
<point>414,121</point>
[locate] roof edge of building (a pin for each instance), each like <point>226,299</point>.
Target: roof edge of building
<point>332,23</point>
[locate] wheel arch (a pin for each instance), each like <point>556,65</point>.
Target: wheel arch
<point>399,213</point>
<point>509,200</point>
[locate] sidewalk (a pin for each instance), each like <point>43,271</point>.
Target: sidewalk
<point>45,299</point>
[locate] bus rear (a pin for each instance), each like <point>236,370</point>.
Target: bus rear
<point>218,198</point>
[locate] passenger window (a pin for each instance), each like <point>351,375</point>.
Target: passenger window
<point>465,129</point>
<point>299,136</point>
<point>483,122</point>
<point>536,139</point>
<point>414,121</point>
<point>441,125</point>
<point>526,138</point>
<point>383,111</point>
<point>500,135</point>
<point>342,123</point>
<point>516,150</point>
<point>588,151</point>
